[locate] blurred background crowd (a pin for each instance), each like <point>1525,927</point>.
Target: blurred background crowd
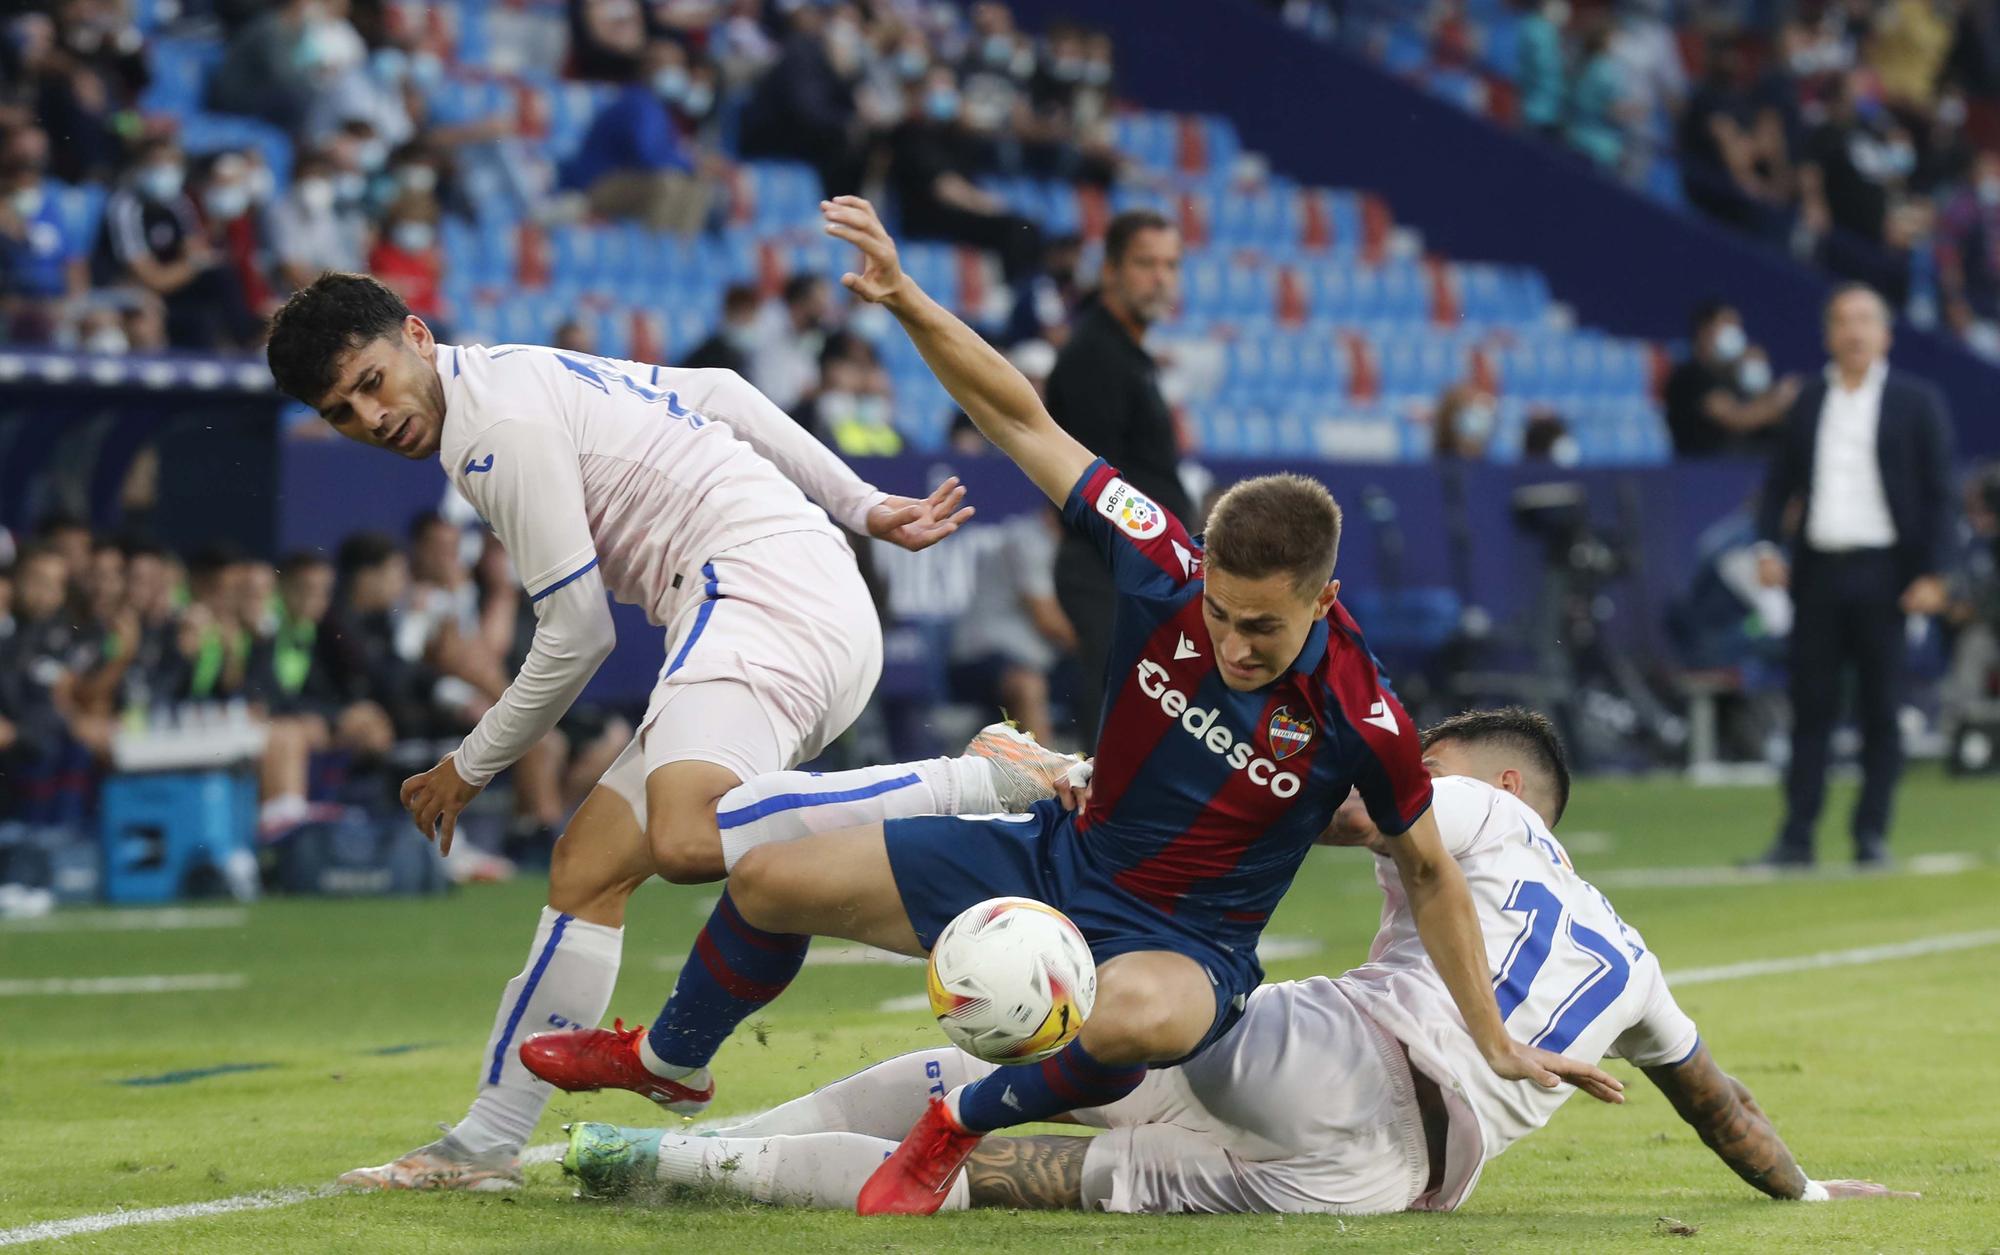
<point>639,179</point>
<point>1857,134</point>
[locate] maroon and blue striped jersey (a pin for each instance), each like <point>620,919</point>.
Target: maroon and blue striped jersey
<point>1205,800</point>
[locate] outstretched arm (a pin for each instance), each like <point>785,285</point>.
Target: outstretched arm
<point>1044,1172</point>
<point>1732,1125</point>
<point>998,398</point>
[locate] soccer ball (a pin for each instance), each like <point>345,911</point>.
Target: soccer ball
<point>1011,980</point>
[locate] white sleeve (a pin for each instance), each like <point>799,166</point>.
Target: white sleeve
<point>728,397</point>
<point>531,493</point>
<point>1663,1035</point>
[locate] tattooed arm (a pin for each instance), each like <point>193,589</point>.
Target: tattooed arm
<point>1730,1123</point>
<point>1028,1172</point>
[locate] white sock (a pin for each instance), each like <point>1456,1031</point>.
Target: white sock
<point>787,805</point>
<point>661,1068</point>
<point>567,984</point>
<point>815,1170</point>
<point>882,1101</point>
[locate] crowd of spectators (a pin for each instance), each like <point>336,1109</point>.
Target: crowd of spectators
<point>385,141</point>
<point>352,664</point>
<point>1862,135</point>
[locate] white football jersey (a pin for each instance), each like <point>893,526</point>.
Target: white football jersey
<point>577,460</point>
<point>1570,976</point>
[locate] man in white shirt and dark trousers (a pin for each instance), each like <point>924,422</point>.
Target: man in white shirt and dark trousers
<point>1867,456</point>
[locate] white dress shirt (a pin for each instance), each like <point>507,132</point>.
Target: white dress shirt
<point>1847,507</point>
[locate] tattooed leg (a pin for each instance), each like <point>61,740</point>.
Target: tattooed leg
<point>1028,1172</point>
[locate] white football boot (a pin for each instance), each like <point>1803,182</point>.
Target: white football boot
<point>442,1165</point>
<point>1024,770</point>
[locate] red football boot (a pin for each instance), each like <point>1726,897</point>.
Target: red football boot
<point>915,1180</point>
<point>608,1058</point>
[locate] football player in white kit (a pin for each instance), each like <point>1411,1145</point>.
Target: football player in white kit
<point>679,491</point>
<point>1356,1094</point>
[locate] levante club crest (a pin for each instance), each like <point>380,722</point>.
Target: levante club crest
<point>1289,735</point>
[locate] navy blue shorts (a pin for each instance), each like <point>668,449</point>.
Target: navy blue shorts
<point>946,863</point>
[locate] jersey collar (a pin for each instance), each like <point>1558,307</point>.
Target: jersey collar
<point>449,367</point>
<point>1313,652</point>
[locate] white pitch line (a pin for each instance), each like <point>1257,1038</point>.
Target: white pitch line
<point>264,1200</point>
<point>48,1230</point>
<point>56,987</point>
<point>1711,877</point>
<point>163,920</point>
<point>1835,958</point>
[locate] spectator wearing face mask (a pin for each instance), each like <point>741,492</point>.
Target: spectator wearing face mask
<point>1546,438</point>
<point>312,230</point>
<point>42,262</point>
<point>225,191</point>
<point>152,238</point>
<point>933,161</point>
<point>281,62</point>
<point>1466,415</point>
<point>633,162</point>
<point>1722,401</point>
<point>1853,183</point>
<point>730,345</point>
<point>855,409</point>
<point>408,258</point>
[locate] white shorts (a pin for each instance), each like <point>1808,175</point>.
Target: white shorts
<point>772,663</point>
<point>1306,1105</point>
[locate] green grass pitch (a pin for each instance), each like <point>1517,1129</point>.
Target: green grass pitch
<point>370,1016</point>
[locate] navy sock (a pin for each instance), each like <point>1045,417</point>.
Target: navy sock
<point>734,969</point>
<point>1069,1080</point>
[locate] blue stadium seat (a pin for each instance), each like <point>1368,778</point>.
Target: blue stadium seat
<point>180,69</point>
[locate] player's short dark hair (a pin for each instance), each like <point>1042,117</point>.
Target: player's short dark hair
<point>363,551</point>
<point>1126,227</point>
<point>322,323</point>
<point>1272,524</point>
<point>1515,729</point>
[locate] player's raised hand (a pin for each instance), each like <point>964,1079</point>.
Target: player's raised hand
<point>853,219</point>
<point>1836,1190</point>
<point>1549,1069</point>
<point>434,798</point>
<point>918,524</point>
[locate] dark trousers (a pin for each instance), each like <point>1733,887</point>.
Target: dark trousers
<point>1087,595</point>
<point>1848,628</point>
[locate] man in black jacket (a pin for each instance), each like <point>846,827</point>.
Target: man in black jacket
<point>1104,391</point>
<point>1867,456</point>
